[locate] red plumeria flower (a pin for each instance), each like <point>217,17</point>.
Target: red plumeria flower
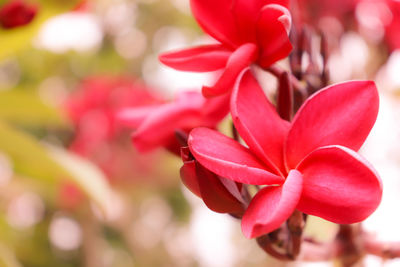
<point>308,164</point>
<point>94,107</point>
<point>156,124</point>
<point>15,14</point>
<point>219,194</point>
<point>248,31</point>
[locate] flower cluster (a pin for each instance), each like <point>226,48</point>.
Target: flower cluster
<point>304,163</point>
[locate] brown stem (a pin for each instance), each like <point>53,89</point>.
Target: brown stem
<point>268,246</point>
<point>297,85</point>
<point>295,225</point>
<point>325,57</point>
<point>285,97</point>
<point>386,250</point>
<point>235,134</point>
<point>349,246</point>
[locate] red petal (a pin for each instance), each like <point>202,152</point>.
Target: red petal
<point>216,108</point>
<point>219,194</point>
<point>189,177</point>
<point>158,129</point>
<point>339,185</point>
<point>246,13</point>
<point>133,117</point>
<point>216,19</point>
<point>198,59</point>
<point>341,114</point>
<point>272,206</point>
<point>227,158</point>
<point>239,60</point>
<point>215,195</point>
<point>257,121</point>
<point>272,34</point>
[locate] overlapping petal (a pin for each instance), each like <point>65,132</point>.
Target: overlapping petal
<point>339,185</point>
<point>189,177</point>
<point>219,194</point>
<point>246,14</point>
<point>198,59</point>
<point>273,27</point>
<point>257,121</point>
<point>216,108</point>
<point>227,158</point>
<point>272,206</point>
<point>216,19</point>
<point>238,61</point>
<point>159,126</point>
<point>342,114</point>
<point>133,117</point>
<point>215,195</point>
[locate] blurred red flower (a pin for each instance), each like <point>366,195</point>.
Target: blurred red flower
<point>16,13</point>
<point>99,137</point>
<point>392,28</point>
<point>157,124</point>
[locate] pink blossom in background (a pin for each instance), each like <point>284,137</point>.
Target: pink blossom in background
<point>309,164</point>
<point>382,19</point>
<point>98,136</point>
<point>155,125</point>
<point>312,11</point>
<point>392,29</point>
<point>250,32</point>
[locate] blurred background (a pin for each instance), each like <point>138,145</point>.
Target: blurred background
<point>73,190</point>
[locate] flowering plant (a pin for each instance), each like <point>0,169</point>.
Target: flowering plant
<point>290,166</point>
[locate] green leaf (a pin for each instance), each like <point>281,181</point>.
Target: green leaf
<point>28,156</point>
<point>88,177</point>
<point>13,40</point>
<point>26,107</point>
<point>49,165</point>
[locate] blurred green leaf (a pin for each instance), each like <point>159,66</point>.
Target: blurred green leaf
<point>28,156</point>
<point>26,107</point>
<point>88,177</point>
<point>50,164</point>
<point>13,40</point>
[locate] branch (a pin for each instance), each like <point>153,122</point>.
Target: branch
<point>297,85</point>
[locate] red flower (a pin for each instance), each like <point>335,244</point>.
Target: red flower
<point>248,31</point>
<point>219,194</point>
<point>15,14</point>
<point>93,109</point>
<point>156,124</point>
<point>94,106</point>
<point>308,164</point>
